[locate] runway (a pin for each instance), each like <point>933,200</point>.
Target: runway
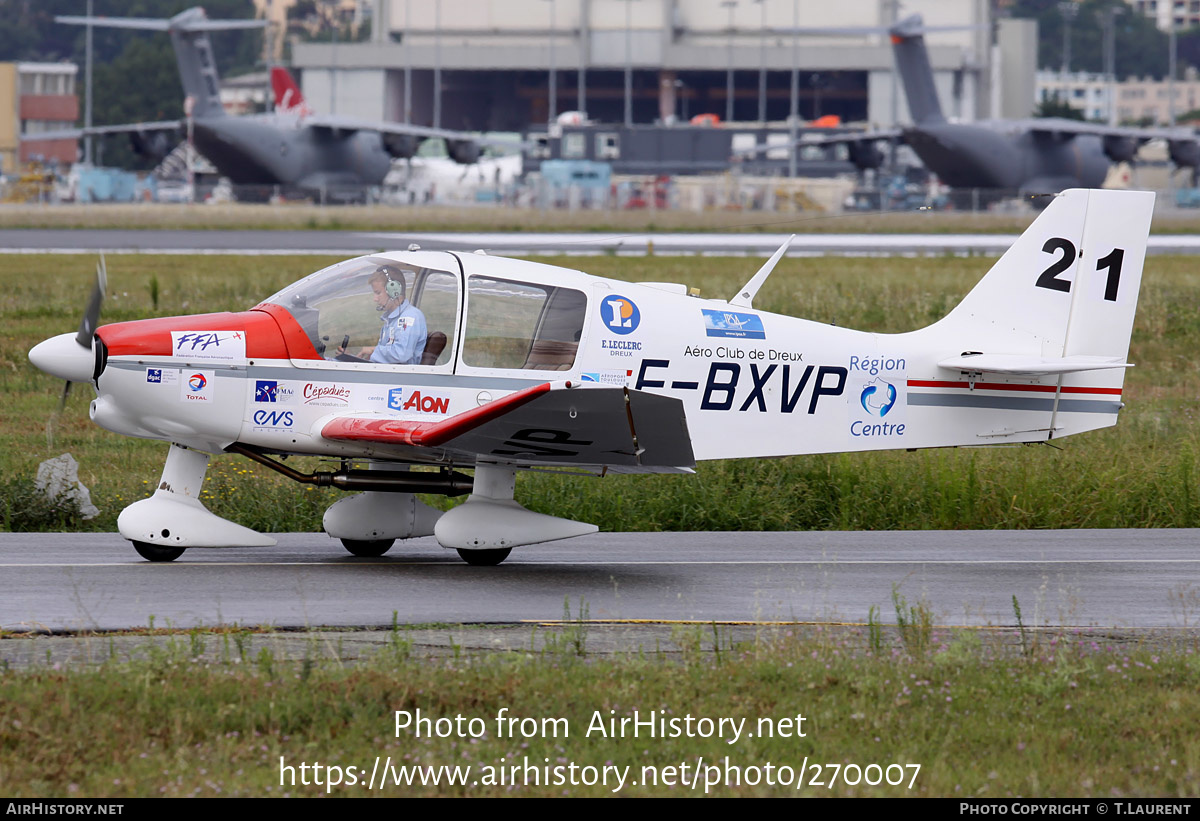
<point>354,243</point>
<point>1081,578</point>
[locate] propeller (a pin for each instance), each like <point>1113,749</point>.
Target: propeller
<point>72,357</point>
<point>91,316</point>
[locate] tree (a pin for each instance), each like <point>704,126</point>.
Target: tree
<point>135,78</point>
<point>1057,107</point>
<point>1141,49</point>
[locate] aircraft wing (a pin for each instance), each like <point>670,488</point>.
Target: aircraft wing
<point>560,423</point>
<point>839,138</point>
<point>347,124</point>
<point>1059,127</point>
<point>75,133</point>
<point>869,135</point>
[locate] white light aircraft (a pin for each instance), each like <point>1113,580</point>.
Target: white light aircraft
<point>531,366</point>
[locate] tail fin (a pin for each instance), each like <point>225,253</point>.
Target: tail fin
<point>1057,309</point>
<point>193,50</point>
<point>288,99</point>
<point>916,73</point>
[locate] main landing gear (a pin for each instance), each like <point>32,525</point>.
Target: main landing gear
<point>154,553</point>
<point>483,530</point>
<point>368,548</point>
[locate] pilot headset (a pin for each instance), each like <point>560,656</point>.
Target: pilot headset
<point>394,285</point>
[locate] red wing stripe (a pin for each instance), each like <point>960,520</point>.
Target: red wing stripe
<point>428,434</point>
<point>1001,386</point>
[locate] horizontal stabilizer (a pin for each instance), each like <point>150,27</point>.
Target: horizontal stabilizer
<point>1024,365</point>
<point>181,22</point>
<point>75,133</point>
<point>551,423</point>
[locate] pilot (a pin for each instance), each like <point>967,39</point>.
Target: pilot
<point>402,337</point>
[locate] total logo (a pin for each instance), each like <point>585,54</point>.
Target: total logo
<point>619,314</point>
<point>195,386</point>
<point>878,397</point>
<point>423,403</point>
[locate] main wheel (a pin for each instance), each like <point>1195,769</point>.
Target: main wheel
<point>369,549</point>
<point>155,553</point>
<point>484,558</point>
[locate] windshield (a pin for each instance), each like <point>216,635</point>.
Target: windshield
<point>353,311</point>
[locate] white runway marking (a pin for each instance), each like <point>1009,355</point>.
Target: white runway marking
<point>342,562</point>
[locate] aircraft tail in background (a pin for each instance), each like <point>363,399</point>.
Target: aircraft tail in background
<point>193,50</point>
<point>916,72</point>
<point>288,97</point>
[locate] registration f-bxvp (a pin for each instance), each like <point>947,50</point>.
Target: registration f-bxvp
<point>528,366</point>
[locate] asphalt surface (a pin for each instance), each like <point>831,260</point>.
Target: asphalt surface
<point>1087,578</point>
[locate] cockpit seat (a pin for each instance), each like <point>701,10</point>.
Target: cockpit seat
<point>435,343</point>
<point>548,355</point>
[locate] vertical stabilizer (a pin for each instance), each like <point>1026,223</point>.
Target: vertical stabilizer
<point>288,97</point>
<point>193,51</point>
<point>197,67</point>
<point>916,73</point>
<point>1067,287</point>
<point>1054,315</point>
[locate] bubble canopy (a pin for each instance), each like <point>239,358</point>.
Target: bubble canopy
<point>510,324</point>
<point>336,306</point>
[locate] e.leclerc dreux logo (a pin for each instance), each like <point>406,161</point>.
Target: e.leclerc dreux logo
<point>619,314</point>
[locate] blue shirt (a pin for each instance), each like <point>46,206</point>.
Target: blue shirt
<point>402,337</point>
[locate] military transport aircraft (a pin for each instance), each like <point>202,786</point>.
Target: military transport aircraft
<point>1033,156</point>
<point>324,155</point>
<point>521,366</point>
<point>418,179</point>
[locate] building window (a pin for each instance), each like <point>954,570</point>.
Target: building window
<point>574,146</point>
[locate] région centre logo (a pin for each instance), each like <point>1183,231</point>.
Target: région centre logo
<point>878,397</point>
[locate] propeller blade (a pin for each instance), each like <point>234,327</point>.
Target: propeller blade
<point>91,316</point>
<point>52,419</point>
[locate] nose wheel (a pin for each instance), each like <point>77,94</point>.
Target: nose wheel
<point>156,553</point>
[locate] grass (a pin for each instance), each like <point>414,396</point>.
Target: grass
<point>390,219</point>
<point>1142,473</point>
<point>200,714</point>
<point>506,219</point>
